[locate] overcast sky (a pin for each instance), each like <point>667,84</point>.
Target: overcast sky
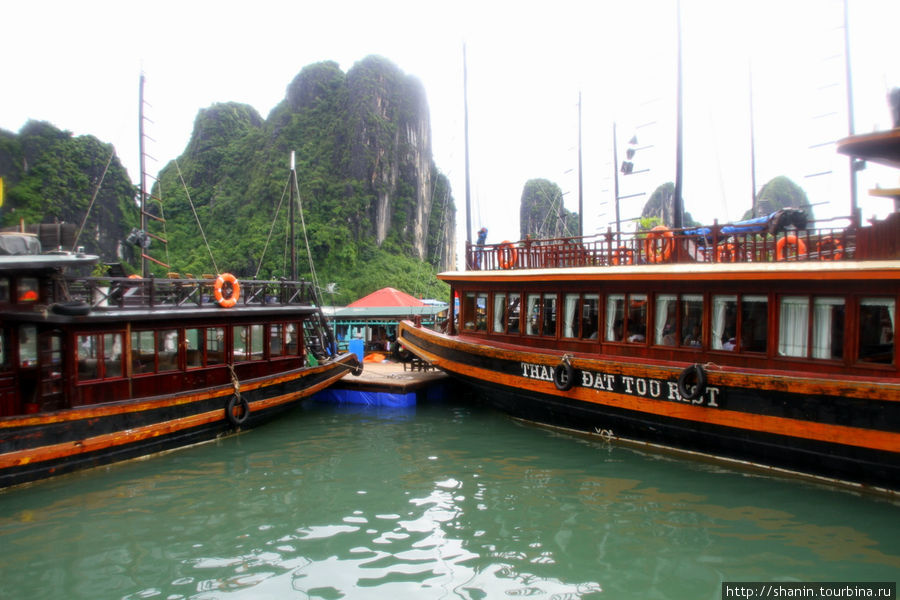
<point>76,64</point>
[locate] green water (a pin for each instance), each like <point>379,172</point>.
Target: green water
<point>441,501</point>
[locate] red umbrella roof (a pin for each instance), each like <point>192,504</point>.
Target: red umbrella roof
<point>386,297</point>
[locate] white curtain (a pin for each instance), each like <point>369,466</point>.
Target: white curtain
<point>663,303</point>
<point>720,304</point>
<point>793,326</point>
<point>499,312</point>
<point>823,319</point>
<point>615,306</point>
<point>570,316</point>
<point>532,323</point>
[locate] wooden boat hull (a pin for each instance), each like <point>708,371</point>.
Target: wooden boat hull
<point>841,429</point>
<point>34,447</point>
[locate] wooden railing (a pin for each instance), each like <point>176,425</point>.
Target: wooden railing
<point>125,292</point>
<point>716,244</point>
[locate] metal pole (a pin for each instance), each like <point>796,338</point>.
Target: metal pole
<point>580,189</point>
<point>677,203</point>
<point>616,178</point>
<point>143,188</point>
<point>854,206</point>
<point>466,126</point>
<point>293,177</point>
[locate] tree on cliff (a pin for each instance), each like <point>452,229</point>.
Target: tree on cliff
<point>780,192</point>
<point>661,205</point>
<point>542,214</point>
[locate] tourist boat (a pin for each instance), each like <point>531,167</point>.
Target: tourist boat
<point>95,370</point>
<point>768,343</point>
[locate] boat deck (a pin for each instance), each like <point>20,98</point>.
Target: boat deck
<point>391,377</point>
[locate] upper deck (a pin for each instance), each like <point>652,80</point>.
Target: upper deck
<point>783,237</point>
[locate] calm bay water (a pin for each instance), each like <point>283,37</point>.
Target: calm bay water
<point>444,500</point>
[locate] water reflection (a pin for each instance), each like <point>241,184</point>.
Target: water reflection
<point>441,501</point>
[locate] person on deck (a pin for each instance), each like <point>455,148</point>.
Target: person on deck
<point>479,251</point>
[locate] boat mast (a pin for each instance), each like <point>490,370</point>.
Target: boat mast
<point>677,203</point>
<point>466,135</point>
<point>854,208</point>
<point>142,185</point>
<point>616,179</point>
<point>580,190</point>
<point>291,217</point>
<point>752,151</point>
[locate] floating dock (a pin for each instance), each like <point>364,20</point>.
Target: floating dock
<point>387,384</point>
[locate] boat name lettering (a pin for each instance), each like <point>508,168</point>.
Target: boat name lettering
<point>626,384</point>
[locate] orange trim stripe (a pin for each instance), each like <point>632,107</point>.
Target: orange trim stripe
<point>120,438</point>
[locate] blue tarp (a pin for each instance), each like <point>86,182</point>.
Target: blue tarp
<point>363,398</point>
<point>358,348</point>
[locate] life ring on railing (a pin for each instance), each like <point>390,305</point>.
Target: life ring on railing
<point>507,255</point>
<point>781,248</point>
<point>659,244</point>
<point>692,382</point>
<point>726,252</point>
<point>237,419</point>
<point>623,256</point>
<point>829,248</point>
<point>564,376</point>
<point>231,299</point>
<point>134,276</point>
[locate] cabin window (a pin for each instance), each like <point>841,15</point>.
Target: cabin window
<point>637,318</point>
<point>193,344</point>
<point>467,311</point>
<point>533,314</point>
<point>590,316</point>
<point>877,324</point>
<point>499,316</point>
<point>290,339</point>
<point>28,289</point>
<point>828,328</point>
<point>4,290</point>
<point>665,324</point>
<point>276,339</point>
<point>215,346</point>
<point>626,318</point>
<point>571,315</point>
<point>692,320</point>
<point>549,315</point>
<point>167,350</point>
<point>4,355</point>
<point>754,323</point>
<point>248,342</point>
<point>481,302</point>
<point>724,323</point>
<point>99,356</point>
<point>143,352</point>
<point>580,315</point>
<point>27,346</point>
<point>793,326</point>
<point>512,313</point>
<point>615,318</point>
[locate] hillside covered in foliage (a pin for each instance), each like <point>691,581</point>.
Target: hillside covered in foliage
<point>376,210</point>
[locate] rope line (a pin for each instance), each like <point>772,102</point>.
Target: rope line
<point>197,218</point>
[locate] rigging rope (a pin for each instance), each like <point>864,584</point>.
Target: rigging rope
<point>271,229</point>
<point>312,268</point>
<point>93,199</point>
<point>191,202</point>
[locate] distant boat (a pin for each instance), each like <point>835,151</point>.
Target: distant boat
<point>95,370</point>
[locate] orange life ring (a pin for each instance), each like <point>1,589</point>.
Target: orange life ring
<point>232,299</point>
<point>781,248</point>
<point>829,248</point>
<point>659,243</point>
<point>507,255</point>
<point>623,256</point>
<point>726,252</point>
<point>134,276</point>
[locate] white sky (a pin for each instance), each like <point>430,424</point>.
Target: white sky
<point>76,64</point>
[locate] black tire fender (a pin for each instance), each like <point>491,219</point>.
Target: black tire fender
<point>73,308</point>
<point>237,419</point>
<point>564,376</point>
<point>692,382</point>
